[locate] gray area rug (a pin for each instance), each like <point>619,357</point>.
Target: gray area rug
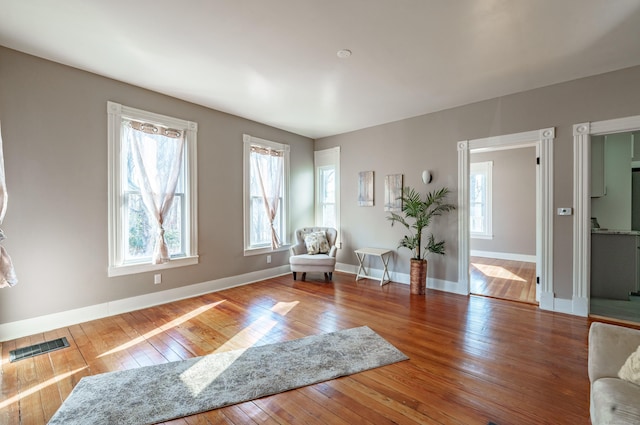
<point>159,393</point>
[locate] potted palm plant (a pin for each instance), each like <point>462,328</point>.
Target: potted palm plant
<point>416,217</point>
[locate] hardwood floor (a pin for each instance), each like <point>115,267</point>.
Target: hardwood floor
<point>472,359</point>
<point>504,279</point>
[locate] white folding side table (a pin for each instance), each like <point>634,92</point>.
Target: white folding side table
<point>384,255</point>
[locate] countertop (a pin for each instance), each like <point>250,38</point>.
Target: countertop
<point>615,232</point>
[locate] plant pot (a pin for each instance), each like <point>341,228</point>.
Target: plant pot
<point>418,277</point>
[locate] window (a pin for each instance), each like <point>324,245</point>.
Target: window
<point>480,202</point>
<point>152,191</point>
<point>266,195</point>
<point>327,165</point>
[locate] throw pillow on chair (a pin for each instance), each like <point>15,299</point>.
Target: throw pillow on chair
<point>316,243</point>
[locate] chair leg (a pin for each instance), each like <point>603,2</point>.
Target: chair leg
<point>330,275</point>
<point>304,276</point>
<point>294,275</point>
<point>326,276</point>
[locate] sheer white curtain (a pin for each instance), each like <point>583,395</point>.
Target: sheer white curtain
<point>157,162</point>
<point>7,272</point>
<point>268,165</point>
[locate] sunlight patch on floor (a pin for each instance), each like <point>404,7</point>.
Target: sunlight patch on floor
<point>39,387</point>
<point>162,328</point>
<point>497,272</point>
<point>204,372</point>
<point>236,346</point>
<point>283,308</point>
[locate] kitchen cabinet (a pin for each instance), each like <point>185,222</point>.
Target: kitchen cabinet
<point>615,264</point>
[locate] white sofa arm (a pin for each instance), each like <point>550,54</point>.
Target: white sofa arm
<point>609,348</point>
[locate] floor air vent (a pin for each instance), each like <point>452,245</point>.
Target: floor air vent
<point>37,349</point>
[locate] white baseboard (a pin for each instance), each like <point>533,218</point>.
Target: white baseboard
<point>49,322</point>
<point>441,285</point>
<point>546,301</point>
<point>577,306</point>
<point>580,306</point>
<point>447,286</point>
<point>561,305</point>
<point>35,325</point>
<point>503,256</point>
<point>375,274</point>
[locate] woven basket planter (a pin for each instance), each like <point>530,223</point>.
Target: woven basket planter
<point>418,277</point>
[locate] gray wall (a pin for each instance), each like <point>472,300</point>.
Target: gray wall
<point>514,202</point>
<point>429,141</point>
<point>54,127</point>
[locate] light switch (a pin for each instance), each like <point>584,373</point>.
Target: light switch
<point>565,211</point>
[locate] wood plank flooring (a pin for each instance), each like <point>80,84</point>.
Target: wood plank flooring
<point>472,359</point>
<point>504,279</point>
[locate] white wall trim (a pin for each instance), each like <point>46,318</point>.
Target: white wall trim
<point>561,305</point>
<point>543,141</point>
<point>21,328</point>
<point>463,216</point>
<point>504,256</point>
<point>582,211</point>
<point>582,133</point>
<point>580,306</point>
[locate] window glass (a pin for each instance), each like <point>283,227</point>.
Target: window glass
<point>327,196</point>
<point>266,188</point>
<point>166,152</point>
<point>480,199</point>
<point>327,189</point>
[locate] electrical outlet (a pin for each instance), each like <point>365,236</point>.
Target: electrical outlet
<point>268,259</point>
<point>157,278</point>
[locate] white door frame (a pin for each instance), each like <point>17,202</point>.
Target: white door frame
<point>542,140</point>
<point>582,201</point>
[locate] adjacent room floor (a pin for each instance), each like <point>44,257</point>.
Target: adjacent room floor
<point>504,279</point>
<point>626,311</point>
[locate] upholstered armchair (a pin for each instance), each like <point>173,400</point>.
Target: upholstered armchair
<point>314,251</point>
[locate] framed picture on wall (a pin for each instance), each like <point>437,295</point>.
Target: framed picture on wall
<point>393,192</point>
<point>365,188</point>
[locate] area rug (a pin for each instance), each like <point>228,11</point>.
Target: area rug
<point>159,393</point>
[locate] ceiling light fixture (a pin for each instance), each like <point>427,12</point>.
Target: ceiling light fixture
<point>344,53</point>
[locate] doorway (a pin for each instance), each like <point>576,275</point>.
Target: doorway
<point>541,140</point>
<point>502,209</point>
<point>582,233</point>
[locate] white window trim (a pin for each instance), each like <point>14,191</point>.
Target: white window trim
<point>485,168</point>
<point>323,158</point>
<point>115,114</point>
<point>246,168</point>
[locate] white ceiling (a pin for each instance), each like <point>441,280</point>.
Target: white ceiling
<point>275,62</point>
